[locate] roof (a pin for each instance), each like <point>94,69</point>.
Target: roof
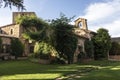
<point>82,33</point>
<point>79,19</point>
<point>7,25</point>
<point>8,36</point>
<point>116,39</point>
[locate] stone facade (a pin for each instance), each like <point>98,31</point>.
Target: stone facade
<point>81,23</point>
<point>15,31</point>
<point>83,34</point>
<point>11,30</point>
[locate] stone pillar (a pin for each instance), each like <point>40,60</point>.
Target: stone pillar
<point>75,57</point>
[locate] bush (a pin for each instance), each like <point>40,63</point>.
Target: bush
<point>89,49</point>
<point>17,48</point>
<point>44,51</point>
<point>102,44</point>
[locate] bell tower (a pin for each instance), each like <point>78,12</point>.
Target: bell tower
<point>81,23</point>
<point>19,14</point>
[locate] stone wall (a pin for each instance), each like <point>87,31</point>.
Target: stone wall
<point>12,30</point>
<point>114,57</point>
<point>6,40</point>
<point>19,14</point>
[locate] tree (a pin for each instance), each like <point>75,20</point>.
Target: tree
<point>102,44</point>
<point>35,28</point>
<point>89,49</point>
<point>10,3</point>
<point>44,50</point>
<point>40,32</point>
<point>65,41</point>
<point>17,48</point>
<point>58,34</point>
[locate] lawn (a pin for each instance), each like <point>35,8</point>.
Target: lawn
<point>95,70</point>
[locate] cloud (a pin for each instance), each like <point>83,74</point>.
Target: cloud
<point>104,14</point>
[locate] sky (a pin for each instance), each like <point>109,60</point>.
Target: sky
<point>99,13</point>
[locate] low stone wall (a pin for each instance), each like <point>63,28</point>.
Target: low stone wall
<point>42,61</point>
<point>114,57</point>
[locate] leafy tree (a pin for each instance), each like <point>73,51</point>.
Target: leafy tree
<point>10,3</point>
<point>115,49</point>
<point>17,48</point>
<point>40,32</point>
<point>102,44</point>
<point>35,28</point>
<point>89,49</point>
<point>65,41</point>
<point>58,34</point>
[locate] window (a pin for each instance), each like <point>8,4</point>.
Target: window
<point>11,31</point>
<point>80,24</point>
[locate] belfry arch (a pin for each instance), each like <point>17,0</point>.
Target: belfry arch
<point>81,23</point>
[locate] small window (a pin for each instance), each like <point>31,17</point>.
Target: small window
<point>80,24</point>
<point>11,31</point>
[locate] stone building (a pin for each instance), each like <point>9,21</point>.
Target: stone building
<point>83,34</point>
<point>14,30</point>
<point>115,39</point>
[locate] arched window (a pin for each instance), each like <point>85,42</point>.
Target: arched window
<point>11,31</point>
<point>80,24</point>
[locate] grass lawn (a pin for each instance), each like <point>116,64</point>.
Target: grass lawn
<point>95,70</point>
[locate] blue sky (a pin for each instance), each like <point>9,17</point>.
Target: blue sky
<point>99,13</point>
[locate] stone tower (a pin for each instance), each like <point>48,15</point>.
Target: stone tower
<point>81,23</point>
<point>19,14</point>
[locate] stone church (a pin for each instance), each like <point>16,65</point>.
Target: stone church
<point>83,34</point>
<point>14,30</point>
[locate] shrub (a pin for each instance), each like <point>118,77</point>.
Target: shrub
<point>44,50</point>
<point>102,44</point>
<point>17,48</point>
<point>89,49</point>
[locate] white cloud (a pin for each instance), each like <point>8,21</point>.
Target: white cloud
<point>104,14</point>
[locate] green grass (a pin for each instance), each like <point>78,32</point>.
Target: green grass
<point>95,70</point>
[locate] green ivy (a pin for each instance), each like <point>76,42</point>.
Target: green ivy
<point>17,48</point>
<point>43,49</point>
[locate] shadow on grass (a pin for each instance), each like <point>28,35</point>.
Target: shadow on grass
<point>13,68</point>
<point>108,70</point>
